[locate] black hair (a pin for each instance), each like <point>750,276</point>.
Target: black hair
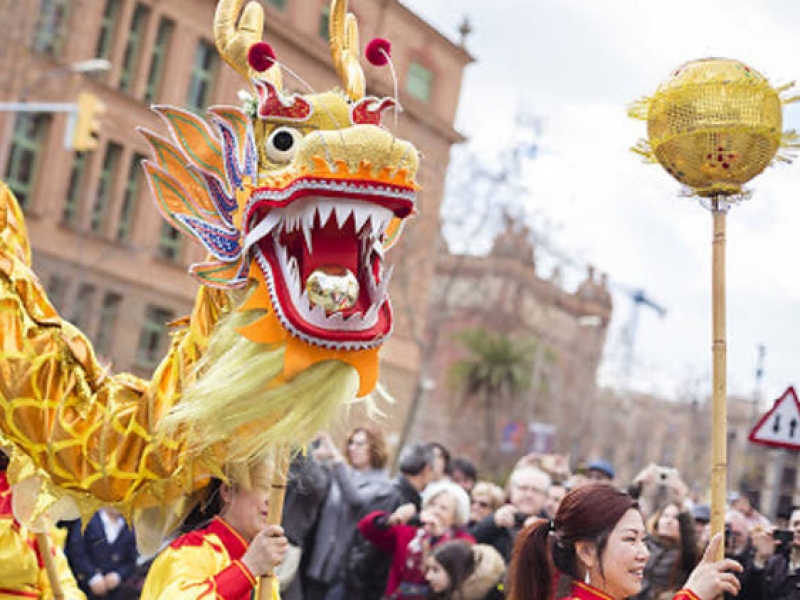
<point>448,467</point>
<point>415,458</point>
<point>466,466</point>
<point>458,560</point>
<point>207,507</point>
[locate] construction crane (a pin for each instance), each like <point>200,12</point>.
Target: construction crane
<point>628,334</point>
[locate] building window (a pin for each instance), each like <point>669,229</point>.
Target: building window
<point>279,4</point>
<point>50,26</point>
<point>83,309</point>
<point>132,184</point>
<point>30,131</point>
<point>324,22</point>
<point>152,339</point>
<point>419,81</point>
<point>169,243</point>
<point>203,70</point>
<point>57,290</point>
<point>131,59</point>
<point>109,314</point>
<point>105,188</point>
<point>108,27</point>
<point>69,213</point>
<point>158,59</point>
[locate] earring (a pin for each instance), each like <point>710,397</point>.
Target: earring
<point>586,579</point>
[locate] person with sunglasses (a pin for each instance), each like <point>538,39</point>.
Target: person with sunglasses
<point>486,498</point>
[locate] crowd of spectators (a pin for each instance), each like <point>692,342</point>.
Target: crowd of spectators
<point>437,530</point>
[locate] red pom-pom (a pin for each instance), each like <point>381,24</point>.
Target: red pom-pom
<point>261,56</point>
<point>378,51</point>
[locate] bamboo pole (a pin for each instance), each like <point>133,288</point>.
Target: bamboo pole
<point>719,422</point>
<point>277,494</point>
<point>45,551</point>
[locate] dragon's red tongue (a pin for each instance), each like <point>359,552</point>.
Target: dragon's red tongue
<point>331,246</point>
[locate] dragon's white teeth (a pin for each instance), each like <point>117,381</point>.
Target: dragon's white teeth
<point>342,213</point>
<point>383,287</point>
<point>308,224</point>
<point>379,220</point>
<point>372,313</point>
<point>361,215</point>
<point>262,229</point>
<point>377,248</point>
<point>335,319</point>
<point>378,291</point>
<point>324,209</point>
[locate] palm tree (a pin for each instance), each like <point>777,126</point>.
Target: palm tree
<point>497,368</point>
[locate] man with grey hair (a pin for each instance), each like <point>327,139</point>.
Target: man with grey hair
<point>367,566</point>
<point>527,491</point>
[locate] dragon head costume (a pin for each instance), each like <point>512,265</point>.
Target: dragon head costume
<point>296,198</point>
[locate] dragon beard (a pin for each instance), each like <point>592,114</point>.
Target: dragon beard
<point>241,394</point>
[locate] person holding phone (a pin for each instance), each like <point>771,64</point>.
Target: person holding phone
<point>776,560</point>
<point>527,493</point>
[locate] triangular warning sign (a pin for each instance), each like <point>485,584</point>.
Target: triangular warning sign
<point>780,427</point>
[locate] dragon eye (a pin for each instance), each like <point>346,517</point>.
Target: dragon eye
<point>282,144</point>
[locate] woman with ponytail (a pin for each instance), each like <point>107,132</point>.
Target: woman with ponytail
<point>597,540</point>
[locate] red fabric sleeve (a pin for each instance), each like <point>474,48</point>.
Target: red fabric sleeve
<point>234,581</point>
<point>381,536</point>
<point>685,594</point>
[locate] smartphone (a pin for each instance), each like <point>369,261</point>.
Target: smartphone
<point>784,537</point>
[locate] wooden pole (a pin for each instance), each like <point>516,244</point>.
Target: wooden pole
<point>719,419</point>
<point>277,494</point>
<point>46,552</point>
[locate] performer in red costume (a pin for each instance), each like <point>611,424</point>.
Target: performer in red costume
<point>22,570</point>
<point>597,540</point>
<point>224,560</point>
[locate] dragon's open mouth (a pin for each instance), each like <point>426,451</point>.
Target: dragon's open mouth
<point>322,257</point>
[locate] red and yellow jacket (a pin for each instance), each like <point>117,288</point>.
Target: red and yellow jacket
<point>22,572</point>
<point>581,591</point>
<point>204,565</point>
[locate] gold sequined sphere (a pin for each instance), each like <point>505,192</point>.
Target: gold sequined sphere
<point>714,125</point>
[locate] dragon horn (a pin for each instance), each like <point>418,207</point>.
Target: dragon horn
<point>234,42</point>
<point>344,49</point>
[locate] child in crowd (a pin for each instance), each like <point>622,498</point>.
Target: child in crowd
<point>459,570</point>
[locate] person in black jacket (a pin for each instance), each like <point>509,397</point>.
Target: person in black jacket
<point>778,572</point>
<point>103,556</point>
<point>307,485</point>
<point>368,567</point>
<point>527,492</point>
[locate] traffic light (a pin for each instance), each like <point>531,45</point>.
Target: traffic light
<point>87,126</point>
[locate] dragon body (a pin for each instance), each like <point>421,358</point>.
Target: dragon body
<point>295,198</point>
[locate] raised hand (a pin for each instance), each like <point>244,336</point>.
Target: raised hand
<point>711,578</point>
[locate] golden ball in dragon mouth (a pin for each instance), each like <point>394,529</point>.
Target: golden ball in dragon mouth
<point>332,287</point>
<point>714,125</point>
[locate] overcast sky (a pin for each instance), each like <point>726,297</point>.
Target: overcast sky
<point>577,64</point>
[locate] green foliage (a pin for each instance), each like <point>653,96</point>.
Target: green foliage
<point>497,365</point>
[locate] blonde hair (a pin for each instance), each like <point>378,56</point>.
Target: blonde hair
<point>494,492</point>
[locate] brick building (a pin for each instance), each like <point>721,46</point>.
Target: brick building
<point>503,292</point>
<point>109,262</point>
